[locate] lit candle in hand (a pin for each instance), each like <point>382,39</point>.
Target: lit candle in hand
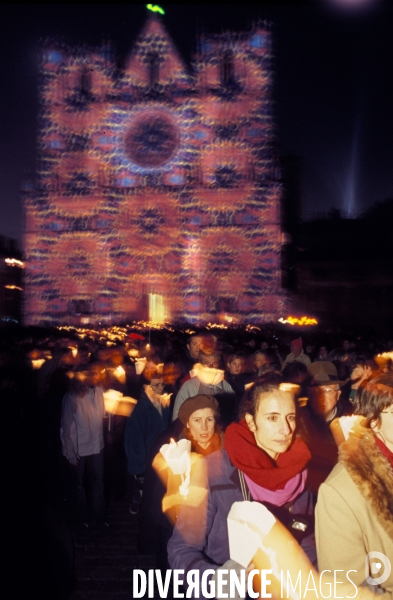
<point>177,456</point>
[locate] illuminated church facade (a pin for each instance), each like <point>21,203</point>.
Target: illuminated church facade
<point>158,192</point>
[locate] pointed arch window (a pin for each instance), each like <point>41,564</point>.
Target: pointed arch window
<point>85,81</point>
<point>154,68</point>
<point>227,68</point>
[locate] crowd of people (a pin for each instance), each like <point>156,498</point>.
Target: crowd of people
<point>259,414</point>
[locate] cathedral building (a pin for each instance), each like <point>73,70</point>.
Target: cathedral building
<point>158,188</point>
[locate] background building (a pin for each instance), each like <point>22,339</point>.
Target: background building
<point>11,282</point>
<point>158,190</point>
<point>344,269</point>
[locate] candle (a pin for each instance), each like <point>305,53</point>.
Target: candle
<point>208,375</point>
<point>343,427</point>
<point>248,524</point>
<point>140,364</point>
<point>292,388</point>
<point>117,404</point>
<point>350,425</point>
<point>133,353</point>
<point>111,398</point>
<point>177,456</point>
<point>37,363</point>
<point>165,399</point>
<point>120,374</point>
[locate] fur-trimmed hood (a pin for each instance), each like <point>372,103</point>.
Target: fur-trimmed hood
<point>372,474</point>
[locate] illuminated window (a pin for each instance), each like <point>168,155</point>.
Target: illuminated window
<point>157,308</point>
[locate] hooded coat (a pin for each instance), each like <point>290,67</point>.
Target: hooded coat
<point>354,512</point>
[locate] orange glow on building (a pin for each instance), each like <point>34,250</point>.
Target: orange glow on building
<point>299,321</point>
<point>156,185</point>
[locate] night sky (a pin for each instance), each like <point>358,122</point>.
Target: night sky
<point>333,88</point>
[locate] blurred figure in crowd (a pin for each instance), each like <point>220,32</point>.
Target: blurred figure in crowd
<point>117,374</point>
<point>210,381</point>
<point>310,351</point>
<point>82,438</point>
<point>150,417</point>
<point>297,354</point>
<point>266,360</point>
<point>361,371</point>
<point>342,361</point>
<point>322,354</point>
<point>198,422</point>
<point>297,373</point>
<point>260,360</point>
<point>193,347</point>
<point>172,373</point>
<point>322,407</point>
<point>235,375</point>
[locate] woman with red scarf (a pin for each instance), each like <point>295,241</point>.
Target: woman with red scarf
<point>263,460</point>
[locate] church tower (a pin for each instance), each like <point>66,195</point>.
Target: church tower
<point>157,194</point>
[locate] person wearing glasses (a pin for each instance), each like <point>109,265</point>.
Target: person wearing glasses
<point>150,417</point>
<point>323,406</point>
<point>354,523</point>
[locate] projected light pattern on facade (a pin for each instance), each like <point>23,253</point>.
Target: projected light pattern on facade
<point>153,181</point>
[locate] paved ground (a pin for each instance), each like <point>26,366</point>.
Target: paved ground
<point>106,558</point>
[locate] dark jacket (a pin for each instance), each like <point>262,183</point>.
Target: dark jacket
<point>200,538</point>
<point>319,438</point>
<point>151,516</point>
<point>142,428</point>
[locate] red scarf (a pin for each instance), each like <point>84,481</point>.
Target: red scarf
<point>384,449</point>
<point>257,464</point>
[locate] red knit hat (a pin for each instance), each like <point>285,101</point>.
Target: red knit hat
<point>298,343</point>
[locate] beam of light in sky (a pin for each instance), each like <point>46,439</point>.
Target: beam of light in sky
<point>349,192</point>
<point>349,199</point>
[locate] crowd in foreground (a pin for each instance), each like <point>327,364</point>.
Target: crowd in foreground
<point>263,425</point>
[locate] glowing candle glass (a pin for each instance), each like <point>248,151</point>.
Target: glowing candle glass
<point>177,456</point>
<point>140,364</point>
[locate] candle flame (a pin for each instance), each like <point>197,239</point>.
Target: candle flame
<point>293,388</point>
<point>13,262</point>
<point>133,353</point>
<point>37,363</point>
